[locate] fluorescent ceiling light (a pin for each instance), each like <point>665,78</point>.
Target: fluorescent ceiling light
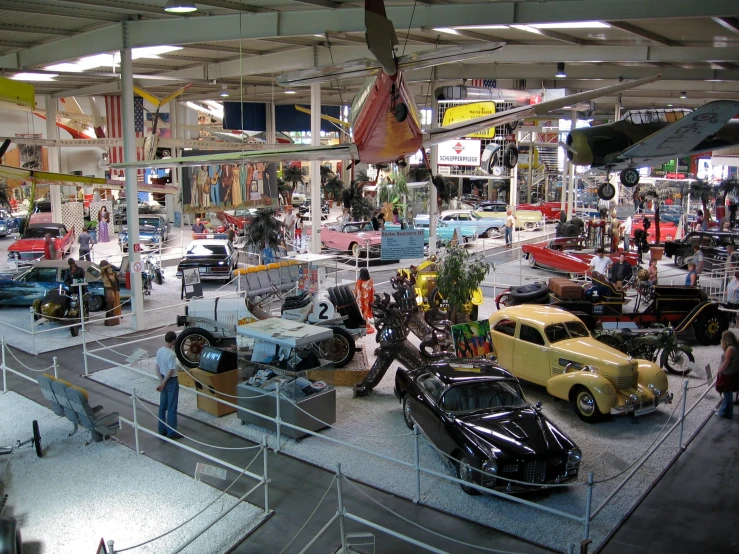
<point>479,27</point>
<point>112,60</point>
<point>34,77</point>
<point>179,6</point>
<point>447,30</point>
<point>289,92</point>
<point>573,25</point>
<point>560,70</point>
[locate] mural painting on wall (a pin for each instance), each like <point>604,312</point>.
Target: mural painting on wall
<point>229,186</point>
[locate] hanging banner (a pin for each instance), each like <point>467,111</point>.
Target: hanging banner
<point>459,152</point>
<point>465,112</point>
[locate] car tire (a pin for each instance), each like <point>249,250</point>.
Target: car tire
<point>37,440</point>
<point>680,262</point>
<point>189,345</point>
<point>532,261</point>
<point>492,233</point>
<point>355,249</point>
<point>510,156</point>
<point>528,293</point>
<point>95,303</point>
<point>585,405</point>
<point>339,349</point>
<point>529,226</point>
<point>407,413</point>
<point>466,472</point>
<point>709,327</point>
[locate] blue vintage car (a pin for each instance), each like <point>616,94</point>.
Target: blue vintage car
<point>466,219</point>
<point>8,224</point>
<point>153,230</point>
<point>444,230</point>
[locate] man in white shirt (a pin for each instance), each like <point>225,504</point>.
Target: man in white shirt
<point>600,263</point>
<point>510,223</point>
<point>289,221</point>
<point>168,388</point>
<point>626,231</point>
<point>698,258</point>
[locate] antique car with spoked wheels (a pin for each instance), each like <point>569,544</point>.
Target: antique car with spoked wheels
<point>475,413</point>
<point>551,347</point>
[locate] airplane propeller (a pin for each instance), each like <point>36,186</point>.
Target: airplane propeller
<point>567,147</point>
<point>380,36</point>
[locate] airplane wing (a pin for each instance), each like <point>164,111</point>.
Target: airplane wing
<point>112,142</point>
<point>292,153</point>
<point>685,134</point>
<point>366,67</point>
<point>464,128</point>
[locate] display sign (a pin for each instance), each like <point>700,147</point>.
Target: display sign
<point>137,247</point>
<point>137,267</point>
<point>191,287</point>
<point>459,152</point>
<point>402,245</point>
<point>466,112</point>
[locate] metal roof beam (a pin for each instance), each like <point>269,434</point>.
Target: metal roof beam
<point>424,40</point>
<point>638,31</point>
<point>321,3</point>
<point>36,30</point>
<point>730,23</point>
<point>122,6</point>
<point>235,6</point>
<point>73,12</point>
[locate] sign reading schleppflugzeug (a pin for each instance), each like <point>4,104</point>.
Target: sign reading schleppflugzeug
<point>459,152</point>
<point>401,245</point>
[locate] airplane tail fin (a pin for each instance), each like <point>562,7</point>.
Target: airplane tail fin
<point>97,119</point>
<point>380,36</point>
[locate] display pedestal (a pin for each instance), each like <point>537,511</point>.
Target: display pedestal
<point>321,405</point>
<point>216,385</point>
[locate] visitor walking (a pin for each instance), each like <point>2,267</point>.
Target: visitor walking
<point>168,388</point>
<point>510,223</point>
<point>86,242</point>
<point>698,259</point>
<point>112,294</point>
<point>727,379</point>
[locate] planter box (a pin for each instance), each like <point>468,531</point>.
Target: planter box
<point>655,252</point>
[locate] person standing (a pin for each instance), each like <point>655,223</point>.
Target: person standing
<point>652,271</point>
<point>732,295</point>
<point>198,226</point>
<point>214,178</point>
<point>691,279</point>
<point>168,388</point>
<point>299,230</point>
<point>626,231</point>
<point>112,294</point>
<point>732,261</point>
<point>727,379</point>
<point>103,219</point>
<point>510,223</point>
<point>698,259</point>
<point>49,247</point>
<point>364,290</point>
<point>86,242</point>
<point>289,221</point>
<point>621,271</point>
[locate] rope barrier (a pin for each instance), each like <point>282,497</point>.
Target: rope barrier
<point>195,440</point>
<point>310,516</point>
<point>24,365</point>
<point>216,499</point>
<point>225,394</point>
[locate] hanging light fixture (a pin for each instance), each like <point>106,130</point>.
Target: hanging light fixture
<point>224,91</point>
<point>560,70</point>
<point>684,95</point>
<point>179,6</point>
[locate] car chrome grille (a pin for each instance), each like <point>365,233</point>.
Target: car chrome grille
<point>554,462</point>
<point>623,381</point>
<point>510,468</point>
<point>535,471</point>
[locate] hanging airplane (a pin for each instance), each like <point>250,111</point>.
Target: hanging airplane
<point>384,117</point>
<point>652,137</point>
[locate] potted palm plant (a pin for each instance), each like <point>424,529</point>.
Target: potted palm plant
<point>294,175</point>
<point>459,277</point>
<point>265,233</point>
<point>332,189</point>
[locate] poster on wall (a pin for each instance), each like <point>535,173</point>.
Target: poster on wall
<point>228,186</point>
<point>459,152</point>
<point>472,340</point>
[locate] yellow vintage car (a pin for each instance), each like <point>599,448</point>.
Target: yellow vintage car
<point>423,278</point>
<point>525,219</point>
<point>551,347</point>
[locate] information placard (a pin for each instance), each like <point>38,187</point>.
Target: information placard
<point>402,245</point>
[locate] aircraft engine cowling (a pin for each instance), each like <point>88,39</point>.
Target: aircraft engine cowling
<point>579,151</point>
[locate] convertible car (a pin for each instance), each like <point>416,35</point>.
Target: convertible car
<point>28,249</point>
<point>566,255</point>
<point>351,237</point>
<point>153,229</point>
<point>667,230</point>
<point>214,259</point>
<point>525,219</point>
<point>475,412</point>
<point>552,347</point>
<point>444,229</point>
<point>466,219</point>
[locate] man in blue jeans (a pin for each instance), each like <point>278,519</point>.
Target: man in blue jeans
<point>169,388</point>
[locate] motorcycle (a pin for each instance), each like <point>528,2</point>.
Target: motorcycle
<point>62,306</point>
<point>152,267</point>
<point>651,344</point>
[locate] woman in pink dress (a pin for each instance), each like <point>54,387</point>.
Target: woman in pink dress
<point>365,293</point>
<point>103,219</point>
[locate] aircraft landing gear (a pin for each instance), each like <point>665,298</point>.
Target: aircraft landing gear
<point>400,111</point>
<point>607,191</point>
<point>629,177</point>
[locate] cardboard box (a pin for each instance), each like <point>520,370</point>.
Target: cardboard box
<point>216,385</point>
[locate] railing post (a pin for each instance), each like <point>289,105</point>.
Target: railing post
<point>341,508</point>
<point>682,415</point>
<point>135,421</point>
<point>5,377</point>
<point>571,548</point>
<point>417,462</point>
<point>181,249</point>
<point>33,331</point>
<point>111,547</point>
<point>55,365</point>
<point>266,477</point>
<point>589,505</point>
<point>82,323</point>
<point>277,415</point>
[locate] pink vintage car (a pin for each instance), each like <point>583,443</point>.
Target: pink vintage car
<point>351,237</point>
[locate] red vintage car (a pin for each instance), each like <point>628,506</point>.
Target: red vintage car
<point>550,210</point>
<point>667,230</point>
<point>566,255</point>
<point>351,237</point>
<point>28,249</point>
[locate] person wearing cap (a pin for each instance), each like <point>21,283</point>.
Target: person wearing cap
<point>73,272</point>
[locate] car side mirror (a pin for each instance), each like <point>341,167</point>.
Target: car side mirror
<point>537,406</point>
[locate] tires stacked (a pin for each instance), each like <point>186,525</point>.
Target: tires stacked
<point>535,293</point>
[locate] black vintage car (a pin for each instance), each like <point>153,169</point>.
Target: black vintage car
<point>475,412</point>
<point>214,259</point>
<point>712,243</point>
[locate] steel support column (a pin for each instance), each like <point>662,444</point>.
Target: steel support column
<point>315,168</point>
<point>55,166</point>
<point>571,180</point>
<point>132,207</point>
<point>434,167</point>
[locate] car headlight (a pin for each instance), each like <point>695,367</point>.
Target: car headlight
<point>608,389</point>
<point>632,400</point>
<point>490,469</point>
<point>73,303</point>
<point>574,457</point>
<point>13,255</point>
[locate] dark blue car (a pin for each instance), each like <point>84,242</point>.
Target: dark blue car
<point>8,224</point>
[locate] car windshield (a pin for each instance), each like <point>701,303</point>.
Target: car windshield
<point>5,215</point>
<point>206,250</point>
<point>485,395</point>
<point>39,233</point>
<point>356,227</point>
<point>245,213</point>
<point>150,221</point>
<point>566,330</point>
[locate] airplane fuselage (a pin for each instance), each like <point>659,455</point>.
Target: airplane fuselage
<point>601,145</point>
<point>382,131</point>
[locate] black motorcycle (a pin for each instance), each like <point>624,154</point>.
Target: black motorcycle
<point>61,306</point>
<point>652,344</point>
<point>152,267</point>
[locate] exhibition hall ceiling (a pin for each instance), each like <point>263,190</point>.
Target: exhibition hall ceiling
<point>244,44</point>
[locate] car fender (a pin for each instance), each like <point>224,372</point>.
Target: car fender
<point>560,386</point>
<point>651,374</point>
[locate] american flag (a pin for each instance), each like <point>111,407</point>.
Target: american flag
<point>114,125</point>
<point>482,83</point>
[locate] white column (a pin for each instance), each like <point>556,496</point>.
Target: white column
<point>52,132</point>
<point>315,168</point>
<point>434,167</point>
<point>571,179</point>
<point>513,196</point>
<point>132,208</point>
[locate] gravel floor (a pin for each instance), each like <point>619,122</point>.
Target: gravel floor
<point>75,495</point>
<point>376,423</point>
